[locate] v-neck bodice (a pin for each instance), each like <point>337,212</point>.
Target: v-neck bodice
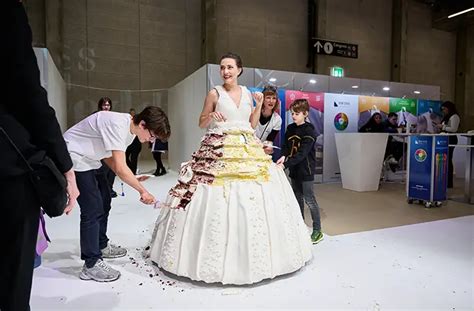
<point>228,107</point>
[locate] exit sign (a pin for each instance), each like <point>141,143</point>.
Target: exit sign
<point>337,72</point>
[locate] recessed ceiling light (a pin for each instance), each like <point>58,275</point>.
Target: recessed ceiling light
<point>386,88</point>
<point>312,81</point>
<point>272,79</point>
<point>417,92</point>
<point>355,86</point>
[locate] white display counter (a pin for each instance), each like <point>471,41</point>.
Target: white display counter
<point>361,158</point>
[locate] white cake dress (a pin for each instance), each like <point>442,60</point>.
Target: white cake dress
<point>232,218</point>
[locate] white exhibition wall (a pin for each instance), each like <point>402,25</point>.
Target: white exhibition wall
<point>343,110</point>
<point>53,83</point>
<point>185,102</point>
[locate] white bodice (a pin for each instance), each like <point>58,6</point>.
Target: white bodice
<point>234,114</point>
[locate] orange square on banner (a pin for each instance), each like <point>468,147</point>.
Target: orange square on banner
<point>367,103</point>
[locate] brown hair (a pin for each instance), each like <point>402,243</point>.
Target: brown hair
<point>238,60</point>
<point>272,90</point>
<point>155,120</point>
<point>451,110</point>
<point>300,105</point>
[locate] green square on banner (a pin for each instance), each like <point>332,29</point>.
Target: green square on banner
<point>399,104</point>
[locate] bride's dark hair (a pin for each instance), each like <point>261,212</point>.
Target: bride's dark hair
<point>235,57</point>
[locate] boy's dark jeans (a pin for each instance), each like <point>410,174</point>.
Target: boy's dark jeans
<point>94,202</point>
<point>304,193</point>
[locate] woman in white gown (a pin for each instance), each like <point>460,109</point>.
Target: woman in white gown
<point>232,217</point>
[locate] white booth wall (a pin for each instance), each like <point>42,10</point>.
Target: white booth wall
<point>185,102</point>
<point>53,83</point>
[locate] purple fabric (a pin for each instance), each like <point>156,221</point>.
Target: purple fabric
<point>43,238</point>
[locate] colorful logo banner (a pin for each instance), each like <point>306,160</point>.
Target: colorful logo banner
<point>340,116</point>
<point>341,121</point>
<point>419,186</point>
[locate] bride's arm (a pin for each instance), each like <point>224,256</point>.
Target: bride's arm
<point>255,115</point>
<point>207,111</point>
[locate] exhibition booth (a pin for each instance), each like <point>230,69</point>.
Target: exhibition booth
<point>338,106</point>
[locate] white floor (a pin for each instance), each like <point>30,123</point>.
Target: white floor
<point>427,266</point>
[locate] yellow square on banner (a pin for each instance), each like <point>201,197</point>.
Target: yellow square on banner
<point>373,103</point>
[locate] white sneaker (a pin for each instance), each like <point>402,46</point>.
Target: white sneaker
<point>100,272</point>
<point>113,251</point>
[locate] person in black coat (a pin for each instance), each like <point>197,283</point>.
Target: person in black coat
<point>374,125</point>
<point>29,121</point>
<point>299,157</point>
<point>133,151</point>
<point>394,149</point>
<point>158,147</point>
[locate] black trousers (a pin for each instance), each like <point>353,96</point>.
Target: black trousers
<point>94,202</point>
<point>159,163</point>
<point>394,148</point>
<point>18,234</point>
<point>131,154</point>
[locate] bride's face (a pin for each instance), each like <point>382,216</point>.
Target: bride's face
<point>229,70</point>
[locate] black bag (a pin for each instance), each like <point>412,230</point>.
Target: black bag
<point>49,183</point>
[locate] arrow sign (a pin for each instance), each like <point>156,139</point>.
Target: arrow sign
<point>318,46</point>
<point>334,48</point>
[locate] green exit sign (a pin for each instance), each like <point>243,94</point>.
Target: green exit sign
<point>337,72</point>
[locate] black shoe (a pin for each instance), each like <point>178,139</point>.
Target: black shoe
<point>113,194</point>
<point>161,172</point>
<point>157,173</point>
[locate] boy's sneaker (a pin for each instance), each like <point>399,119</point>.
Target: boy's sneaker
<point>100,272</point>
<point>113,251</point>
<point>316,236</point>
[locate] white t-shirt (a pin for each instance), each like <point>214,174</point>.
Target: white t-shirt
<point>94,138</point>
<point>262,131</point>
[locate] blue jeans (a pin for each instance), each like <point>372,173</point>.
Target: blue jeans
<point>94,202</point>
<point>304,193</point>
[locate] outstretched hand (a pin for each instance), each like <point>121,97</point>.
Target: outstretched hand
<point>147,198</point>
<point>258,97</point>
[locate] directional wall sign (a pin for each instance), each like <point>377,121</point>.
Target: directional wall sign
<point>334,48</point>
